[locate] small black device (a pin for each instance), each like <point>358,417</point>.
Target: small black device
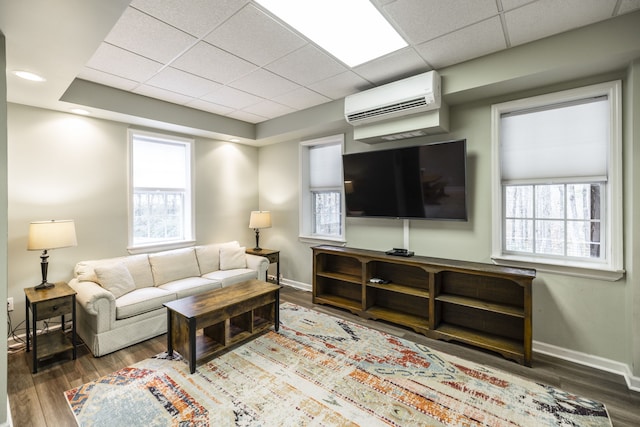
<point>400,252</point>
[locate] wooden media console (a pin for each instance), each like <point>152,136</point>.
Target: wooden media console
<point>484,305</point>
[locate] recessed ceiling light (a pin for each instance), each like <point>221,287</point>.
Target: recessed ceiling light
<point>353,31</point>
<point>28,75</point>
<point>80,111</point>
<point>234,140</point>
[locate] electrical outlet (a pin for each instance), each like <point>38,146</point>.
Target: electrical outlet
<point>10,304</point>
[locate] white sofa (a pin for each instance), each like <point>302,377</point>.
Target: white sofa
<point>119,300</point>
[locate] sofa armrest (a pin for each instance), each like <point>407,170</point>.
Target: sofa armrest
<point>258,263</point>
<point>97,303</point>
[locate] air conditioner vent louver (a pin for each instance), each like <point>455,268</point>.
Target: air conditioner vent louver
<point>388,109</point>
<point>420,93</point>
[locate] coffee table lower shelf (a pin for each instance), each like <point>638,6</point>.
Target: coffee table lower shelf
<point>203,325</point>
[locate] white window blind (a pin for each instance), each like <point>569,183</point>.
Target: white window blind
<point>321,190</point>
<point>159,164</point>
<point>560,141</point>
<point>325,168</point>
<point>161,205</point>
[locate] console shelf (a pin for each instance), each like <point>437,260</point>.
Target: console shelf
<point>483,305</point>
<point>338,301</point>
<point>401,289</point>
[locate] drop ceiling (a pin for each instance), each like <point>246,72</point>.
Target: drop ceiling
<point>231,58</point>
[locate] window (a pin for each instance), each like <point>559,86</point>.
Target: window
<point>321,201</point>
<point>557,182</point>
<point>161,203</point>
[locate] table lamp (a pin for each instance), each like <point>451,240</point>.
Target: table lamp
<point>47,235</point>
<point>258,220</point>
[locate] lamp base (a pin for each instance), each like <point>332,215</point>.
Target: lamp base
<point>44,285</point>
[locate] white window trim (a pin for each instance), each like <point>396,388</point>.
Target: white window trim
<point>305,205</point>
<point>613,269</point>
<point>190,241</point>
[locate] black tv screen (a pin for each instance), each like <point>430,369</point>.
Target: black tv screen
<point>422,182</point>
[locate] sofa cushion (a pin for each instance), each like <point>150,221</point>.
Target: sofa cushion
<point>141,301</point>
<point>232,258</point>
<point>175,264</point>
<point>230,277</point>
<point>191,286</point>
<point>84,271</point>
<point>138,266</point>
<point>140,270</point>
<point>209,256</point>
<point>115,278</point>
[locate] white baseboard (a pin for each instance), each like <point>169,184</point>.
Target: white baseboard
<point>297,285</point>
<point>597,362</point>
<point>9,422</point>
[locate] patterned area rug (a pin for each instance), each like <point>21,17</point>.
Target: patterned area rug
<point>323,371</point>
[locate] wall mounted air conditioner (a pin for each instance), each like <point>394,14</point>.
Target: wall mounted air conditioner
<point>403,109</point>
<point>408,96</point>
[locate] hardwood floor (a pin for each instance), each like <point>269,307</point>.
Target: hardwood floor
<point>37,399</point>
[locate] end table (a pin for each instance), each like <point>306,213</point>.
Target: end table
<point>59,300</point>
<point>271,254</point>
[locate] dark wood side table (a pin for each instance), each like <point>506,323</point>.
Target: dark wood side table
<point>272,255</point>
<point>59,300</point>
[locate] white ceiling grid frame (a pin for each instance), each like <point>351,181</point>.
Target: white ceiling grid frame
<point>261,69</point>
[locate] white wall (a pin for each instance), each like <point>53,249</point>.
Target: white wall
<point>4,415</point>
<point>63,166</point>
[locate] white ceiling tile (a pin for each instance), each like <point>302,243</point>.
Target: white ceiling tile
<point>213,63</point>
<point>210,107</point>
<point>394,66</point>
<point>232,98</point>
<point>264,83</point>
<point>183,83</point>
<point>247,117</point>
<point>119,62</point>
<point>301,98</point>
<point>106,79</point>
<point>149,37</point>
<point>255,36</point>
<point>512,4</point>
<point>547,17</point>
<point>163,94</point>
<point>423,20</point>
<point>468,43</point>
<point>306,65</point>
<point>269,109</point>
<point>628,6</point>
<point>227,55</point>
<point>196,17</point>
<point>339,86</point>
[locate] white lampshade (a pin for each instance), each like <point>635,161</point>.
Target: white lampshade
<point>260,219</point>
<point>44,235</point>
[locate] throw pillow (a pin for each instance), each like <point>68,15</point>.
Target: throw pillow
<point>209,256</point>
<point>232,258</point>
<point>115,278</point>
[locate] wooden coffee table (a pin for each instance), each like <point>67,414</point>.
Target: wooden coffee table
<point>202,325</point>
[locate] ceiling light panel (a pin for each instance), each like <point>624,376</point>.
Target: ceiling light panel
<point>353,31</point>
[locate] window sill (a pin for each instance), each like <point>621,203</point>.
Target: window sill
<point>133,250</point>
<point>584,270</point>
<point>318,240</point>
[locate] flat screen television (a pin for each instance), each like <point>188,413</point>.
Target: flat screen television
<point>421,182</point>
